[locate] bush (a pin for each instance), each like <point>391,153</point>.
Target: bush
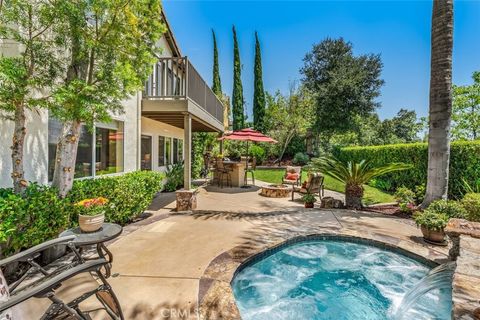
<point>258,153</point>
<point>431,219</point>
<point>464,163</point>
<point>174,177</point>
<point>452,209</point>
<point>405,198</point>
<point>471,203</point>
<point>301,158</point>
<point>28,220</point>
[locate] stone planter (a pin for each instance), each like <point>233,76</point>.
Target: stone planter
<point>186,200</point>
<point>433,235</point>
<point>91,223</point>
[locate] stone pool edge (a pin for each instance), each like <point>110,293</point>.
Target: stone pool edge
<point>215,296</point>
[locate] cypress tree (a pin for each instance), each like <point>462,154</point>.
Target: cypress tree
<point>259,92</point>
<point>217,84</point>
<point>237,96</point>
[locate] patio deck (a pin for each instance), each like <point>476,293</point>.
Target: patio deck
<point>159,262</point>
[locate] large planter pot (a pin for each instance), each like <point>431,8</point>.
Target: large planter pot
<point>91,223</point>
<point>309,204</point>
<point>437,236</point>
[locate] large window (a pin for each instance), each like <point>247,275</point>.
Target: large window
<point>180,150</point>
<point>100,148</point>
<point>161,151</point>
<point>168,151</point>
<point>146,153</point>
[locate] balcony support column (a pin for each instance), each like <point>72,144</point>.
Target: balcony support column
<point>187,131</point>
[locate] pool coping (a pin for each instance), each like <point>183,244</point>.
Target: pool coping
<point>215,296</point>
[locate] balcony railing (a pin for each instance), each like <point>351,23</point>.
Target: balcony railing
<point>176,78</point>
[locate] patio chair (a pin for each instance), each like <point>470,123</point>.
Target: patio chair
<point>42,282</point>
<point>222,174</point>
<point>314,184</point>
<point>292,176</point>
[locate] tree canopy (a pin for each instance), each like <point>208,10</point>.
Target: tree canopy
<point>237,95</point>
<point>344,85</point>
<point>217,84</point>
<point>466,110</point>
<point>259,92</point>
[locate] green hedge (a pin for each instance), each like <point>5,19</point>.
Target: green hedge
<point>40,215</point>
<point>464,164</point>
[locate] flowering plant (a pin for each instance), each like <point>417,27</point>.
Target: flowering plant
<point>91,207</point>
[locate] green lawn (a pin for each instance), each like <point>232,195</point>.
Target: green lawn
<point>372,195</point>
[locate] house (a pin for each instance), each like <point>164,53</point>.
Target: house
<point>154,131</point>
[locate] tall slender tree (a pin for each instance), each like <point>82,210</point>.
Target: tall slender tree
<point>440,100</point>
<point>259,92</point>
<point>217,84</point>
<point>237,95</point>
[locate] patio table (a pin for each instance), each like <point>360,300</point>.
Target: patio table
<point>107,232</point>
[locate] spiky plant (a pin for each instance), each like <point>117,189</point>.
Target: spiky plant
<point>354,175</point>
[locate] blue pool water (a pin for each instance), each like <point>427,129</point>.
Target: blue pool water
<point>333,279</point>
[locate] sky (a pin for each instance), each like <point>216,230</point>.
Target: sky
<point>397,30</point>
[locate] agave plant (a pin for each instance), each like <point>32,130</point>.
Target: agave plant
<point>353,175</point>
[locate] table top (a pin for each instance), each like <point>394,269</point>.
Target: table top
<point>107,232</point>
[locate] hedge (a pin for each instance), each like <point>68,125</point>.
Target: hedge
<point>40,215</point>
<point>464,164</point>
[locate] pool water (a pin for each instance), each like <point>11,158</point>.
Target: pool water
<point>333,279</point>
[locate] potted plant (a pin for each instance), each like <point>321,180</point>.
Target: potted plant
<point>309,200</point>
<point>432,224</point>
<point>91,213</point>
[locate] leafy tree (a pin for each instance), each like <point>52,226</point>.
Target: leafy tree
<point>288,116</point>
<point>237,96</point>
<point>440,112</point>
<point>26,76</point>
<point>217,84</point>
<point>345,85</point>
<point>466,110</point>
<point>259,92</point>
<point>110,46</point>
<point>406,126</point>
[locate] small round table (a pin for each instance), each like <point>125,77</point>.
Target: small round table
<point>98,238</point>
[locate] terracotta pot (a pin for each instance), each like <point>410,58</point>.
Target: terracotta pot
<point>91,223</point>
<point>433,235</point>
<point>309,204</point>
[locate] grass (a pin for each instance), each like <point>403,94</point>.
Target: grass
<point>372,195</point>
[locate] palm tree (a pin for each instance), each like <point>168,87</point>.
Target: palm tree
<point>440,101</point>
<point>353,175</point>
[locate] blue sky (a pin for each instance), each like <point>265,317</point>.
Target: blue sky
<point>398,30</point>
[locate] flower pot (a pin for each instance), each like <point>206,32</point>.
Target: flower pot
<point>433,235</point>
<point>309,204</point>
<point>91,223</point>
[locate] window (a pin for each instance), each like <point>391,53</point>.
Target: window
<point>168,151</point>
<point>180,150</point>
<point>146,153</point>
<point>109,148</point>
<point>175,150</point>
<point>100,148</point>
<point>161,151</point>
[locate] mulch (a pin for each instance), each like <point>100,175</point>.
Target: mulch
<point>389,210</point>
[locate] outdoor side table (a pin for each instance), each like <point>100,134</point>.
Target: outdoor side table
<point>98,238</point>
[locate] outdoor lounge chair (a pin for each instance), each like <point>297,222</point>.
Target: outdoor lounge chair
<point>313,185</point>
<point>292,176</point>
<point>42,282</point>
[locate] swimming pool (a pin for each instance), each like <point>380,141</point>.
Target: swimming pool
<point>334,279</point>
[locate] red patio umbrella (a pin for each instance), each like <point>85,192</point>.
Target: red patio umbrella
<point>248,134</point>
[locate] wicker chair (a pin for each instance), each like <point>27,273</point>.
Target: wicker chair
<point>314,184</point>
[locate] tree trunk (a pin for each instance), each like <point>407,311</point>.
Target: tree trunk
<point>19,132</point>
<point>66,156</point>
<point>353,196</point>
<point>440,101</point>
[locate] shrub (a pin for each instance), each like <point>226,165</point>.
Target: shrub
<point>431,219</point>
<point>31,219</point>
<point>405,198</point>
<point>258,153</point>
<point>452,209</point>
<point>301,158</point>
<point>471,203</point>
<point>464,163</point>
<point>174,177</point>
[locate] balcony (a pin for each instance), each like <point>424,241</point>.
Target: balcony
<point>175,88</point>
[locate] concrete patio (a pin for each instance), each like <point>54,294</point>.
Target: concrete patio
<point>159,262</point>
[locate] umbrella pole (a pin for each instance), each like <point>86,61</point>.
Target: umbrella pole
<point>245,178</point>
